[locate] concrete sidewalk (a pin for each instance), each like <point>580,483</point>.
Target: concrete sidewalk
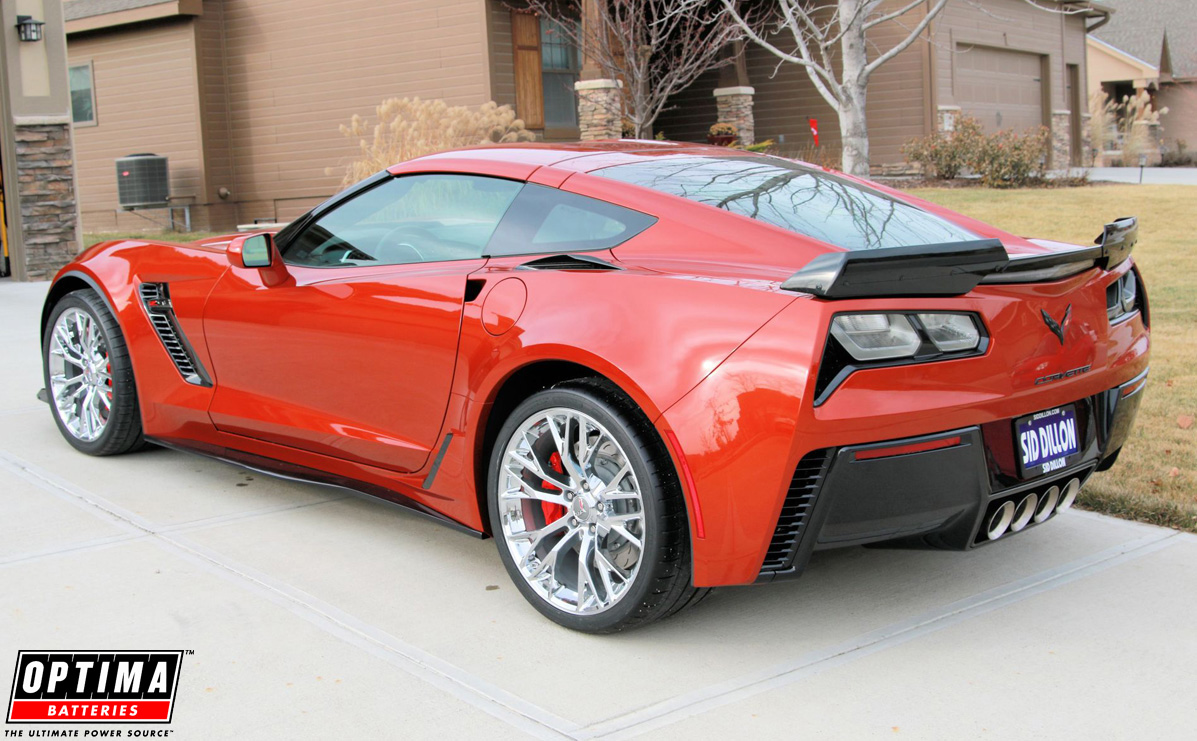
<point>313,613</point>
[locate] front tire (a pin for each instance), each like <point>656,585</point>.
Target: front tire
<point>587,511</point>
<point>89,377</point>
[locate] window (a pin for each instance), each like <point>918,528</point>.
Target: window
<point>793,196</point>
<point>543,220</point>
<point>83,95</point>
<point>559,71</point>
<point>417,218</point>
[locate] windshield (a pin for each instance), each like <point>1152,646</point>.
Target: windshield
<point>792,196</point>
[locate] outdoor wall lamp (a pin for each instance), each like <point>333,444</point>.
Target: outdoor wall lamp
<point>29,29</point>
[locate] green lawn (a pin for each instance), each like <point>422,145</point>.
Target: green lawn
<point>1155,479</point>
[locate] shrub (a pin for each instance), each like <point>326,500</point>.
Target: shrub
<point>1009,159</point>
<point>724,129</point>
<point>411,127</point>
<point>1179,158</point>
<point>1103,122</point>
<point>1136,139</point>
<point>945,154</point>
<point>1006,159</point>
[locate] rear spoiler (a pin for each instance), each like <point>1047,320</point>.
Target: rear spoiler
<point>952,268</point>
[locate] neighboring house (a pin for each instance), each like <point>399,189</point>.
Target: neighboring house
<point>245,96</point>
<point>1151,45</point>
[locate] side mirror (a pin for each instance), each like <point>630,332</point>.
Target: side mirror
<point>251,251</point>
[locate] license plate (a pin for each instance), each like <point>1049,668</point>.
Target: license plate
<point>1046,440</point>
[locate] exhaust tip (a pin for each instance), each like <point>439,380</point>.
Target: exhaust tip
<point>999,521</point>
<point>1047,504</point>
<point>1068,496</point>
<point>1024,512</point>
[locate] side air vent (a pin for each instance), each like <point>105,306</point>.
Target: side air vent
<point>795,513</point>
<point>568,262</point>
<point>155,297</point>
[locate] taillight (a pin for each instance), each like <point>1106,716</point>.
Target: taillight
<point>1124,298</point>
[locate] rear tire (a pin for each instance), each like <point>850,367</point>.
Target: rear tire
<point>611,487</point>
<point>89,377</point>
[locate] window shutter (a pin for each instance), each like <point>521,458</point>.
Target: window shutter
<point>529,88</point>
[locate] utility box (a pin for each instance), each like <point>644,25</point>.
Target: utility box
<point>142,181</point>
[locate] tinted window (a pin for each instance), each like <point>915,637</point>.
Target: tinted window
<point>417,218</point>
<point>794,197</point>
<point>545,219</point>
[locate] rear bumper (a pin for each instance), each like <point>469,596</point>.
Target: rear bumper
<point>940,495</point>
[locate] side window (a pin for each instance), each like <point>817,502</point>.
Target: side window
<point>543,220</point>
<point>410,219</point>
<point>83,95</point>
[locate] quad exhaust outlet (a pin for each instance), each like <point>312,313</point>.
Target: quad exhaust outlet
<point>1014,514</point>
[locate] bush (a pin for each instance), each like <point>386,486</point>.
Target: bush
<point>1008,159</point>
<point>1180,158</point>
<point>411,127</point>
<point>945,154</point>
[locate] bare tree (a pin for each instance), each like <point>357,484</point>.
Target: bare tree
<point>817,29</point>
<point>654,47</point>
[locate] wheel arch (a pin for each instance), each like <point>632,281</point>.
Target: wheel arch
<point>519,385</point>
<point>69,282</point>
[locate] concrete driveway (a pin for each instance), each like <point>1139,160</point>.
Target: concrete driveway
<point>314,613</point>
<point>1151,175</point>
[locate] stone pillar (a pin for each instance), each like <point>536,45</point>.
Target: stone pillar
<point>600,110</point>
<point>1088,158</point>
<point>735,107</point>
<point>1060,155</point>
<point>946,118</point>
<point>45,189</point>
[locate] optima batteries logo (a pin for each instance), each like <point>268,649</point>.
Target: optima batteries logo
<point>94,687</point>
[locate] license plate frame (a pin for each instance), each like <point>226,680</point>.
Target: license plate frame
<point>1053,437</point>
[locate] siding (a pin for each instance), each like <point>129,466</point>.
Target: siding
<point>502,63</point>
<point>1179,124</point>
<point>146,101</point>
<point>1005,24</point>
<point>297,69</point>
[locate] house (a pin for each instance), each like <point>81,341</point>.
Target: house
<point>245,97</point>
<point>1150,46</point>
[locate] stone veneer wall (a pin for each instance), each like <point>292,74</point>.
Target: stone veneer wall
<point>46,193</point>
<point>734,105</point>
<point>599,109</point>
<point>1061,140</point>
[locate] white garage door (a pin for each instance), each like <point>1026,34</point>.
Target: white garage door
<point>1003,89</point>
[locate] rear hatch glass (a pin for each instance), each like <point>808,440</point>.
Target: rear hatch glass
<point>792,196</point>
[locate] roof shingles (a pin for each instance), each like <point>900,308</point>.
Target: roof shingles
<point>1138,27</point>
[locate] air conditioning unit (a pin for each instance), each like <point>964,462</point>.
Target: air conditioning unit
<point>142,181</point>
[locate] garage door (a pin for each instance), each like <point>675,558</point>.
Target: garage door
<point>1003,89</point>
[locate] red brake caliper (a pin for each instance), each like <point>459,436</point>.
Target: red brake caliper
<point>108,368</point>
<point>553,512</point>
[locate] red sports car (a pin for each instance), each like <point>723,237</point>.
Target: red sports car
<point>646,369</point>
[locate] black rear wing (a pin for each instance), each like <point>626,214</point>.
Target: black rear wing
<point>952,268</point>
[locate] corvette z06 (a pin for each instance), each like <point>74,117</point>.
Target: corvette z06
<point>644,369</point>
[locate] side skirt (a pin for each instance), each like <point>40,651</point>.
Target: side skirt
<point>293,472</point>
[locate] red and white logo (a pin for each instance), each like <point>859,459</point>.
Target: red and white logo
<point>94,686</point>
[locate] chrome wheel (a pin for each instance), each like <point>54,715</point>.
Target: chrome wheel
<point>571,511</point>
<point>80,372</point>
